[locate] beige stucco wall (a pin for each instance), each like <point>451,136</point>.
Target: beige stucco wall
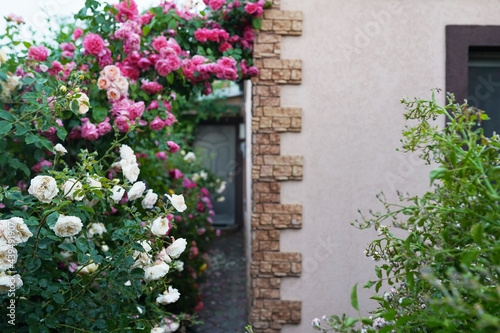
<point>359,59</point>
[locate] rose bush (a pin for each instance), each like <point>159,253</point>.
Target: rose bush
<point>444,275</point>
<point>106,214</point>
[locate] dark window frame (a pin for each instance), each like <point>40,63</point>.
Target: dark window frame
<point>459,40</point>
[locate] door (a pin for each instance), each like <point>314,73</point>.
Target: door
<point>217,144</point>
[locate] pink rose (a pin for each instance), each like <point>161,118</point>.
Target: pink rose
<point>225,46</point>
<point>122,123</point>
<point>38,167</point>
<point>89,131</point>
<point>127,10</point>
<point>254,9</point>
<point>163,67</point>
<point>159,43</point>
<point>104,127</point>
<point>56,68</point>
<point>77,33</point>
<point>161,155</point>
<point>75,133</point>
<point>144,63</point>
<point>93,44</point>
<point>172,147</point>
<point>68,47</point>
<point>170,119</point>
<point>113,94</point>
<point>39,53</point>
<point>136,110</point>
<point>216,4</point>
<point>112,72</point>
<point>252,71</point>
<point>157,124</point>
<point>176,174</point>
<point>204,192</point>
<point>201,35</point>
<point>151,87</point>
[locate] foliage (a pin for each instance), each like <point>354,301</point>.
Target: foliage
<point>88,121</point>
<point>444,275</point>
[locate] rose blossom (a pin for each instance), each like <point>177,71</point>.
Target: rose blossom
<point>8,256</point>
<point>176,248</point>
<point>59,148</point>
<point>77,33</point>
<point>39,53</point>
<point>131,171</point>
<point>104,127</point>
<point>161,155</point>
<point>44,188</point>
<point>14,231</point>
<point>113,94</point>
<point>136,191</point>
<point>93,44</point>
<point>149,199</point>
<point>160,226</point>
<point>190,157</point>
<point>151,87</point>
<point>169,296</point>
<point>96,229</point>
<point>173,147</point>
<point>117,193</point>
<point>127,154</point>
<point>255,9</point>
<point>9,281</point>
<point>103,83</point>
<point>70,187</point>
<point>112,72</point>
<point>178,202</point>
<point>156,272</point>
<point>157,124</point>
<point>38,167</point>
<point>83,103</point>
<point>122,84</point>
<point>67,226</point>
<point>89,131</point>
<point>216,4</point>
<point>87,269</point>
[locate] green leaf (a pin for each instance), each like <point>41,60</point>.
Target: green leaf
<point>5,127</point>
<point>99,113</point>
<point>82,244</point>
<point>52,219</point>
<point>61,133</point>
<point>21,129</point>
<point>378,272</point>
<point>67,247</point>
<point>58,298</point>
<point>257,23</point>
<point>354,297</point>
<point>170,78</point>
<point>7,115</point>
<point>30,138</point>
<point>146,30</point>
<point>477,233</point>
<point>172,24</point>
<point>439,173</point>
<point>32,264</point>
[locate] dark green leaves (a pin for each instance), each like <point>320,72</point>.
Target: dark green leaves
<point>354,297</point>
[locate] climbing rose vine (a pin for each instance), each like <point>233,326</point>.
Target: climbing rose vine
<point>104,214</point>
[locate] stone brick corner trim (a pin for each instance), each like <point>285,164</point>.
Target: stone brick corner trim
<point>269,266</point>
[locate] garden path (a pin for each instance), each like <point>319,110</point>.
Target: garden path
<point>224,291</point>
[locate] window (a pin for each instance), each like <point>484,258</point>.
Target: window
<point>473,69</point>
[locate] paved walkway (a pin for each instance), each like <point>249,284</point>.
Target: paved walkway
<point>224,291</point>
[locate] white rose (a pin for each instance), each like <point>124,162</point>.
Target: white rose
<point>122,84</point>
<point>127,154</point>
<point>146,245</point>
<point>88,269</point>
<point>105,248</point>
<point>160,226</point>
<point>3,57</point>
<point>6,281</point>
<point>8,256</point>
<point>195,177</point>
<point>170,325</point>
<point>177,201</point>
<point>5,94</point>
<point>163,256</point>
<point>13,82</point>
<point>83,103</point>
<point>176,248</point>
<point>179,265</point>
<point>203,175</point>
<point>149,200</point>
<point>222,187</point>
<point>156,272</point>
<point>136,191</point>
<point>59,148</point>
<point>157,330</point>
<point>169,296</point>
<point>44,188</point>
<point>67,226</point>
<point>96,229</point>
<point>14,231</point>
<point>190,157</point>
<point>131,171</point>
<point>117,193</point>
<point>221,199</point>
<point>70,187</point>
<point>93,182</point>
<point>142,259</point>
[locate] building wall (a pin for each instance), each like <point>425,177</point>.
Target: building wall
<point>357,60</point>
